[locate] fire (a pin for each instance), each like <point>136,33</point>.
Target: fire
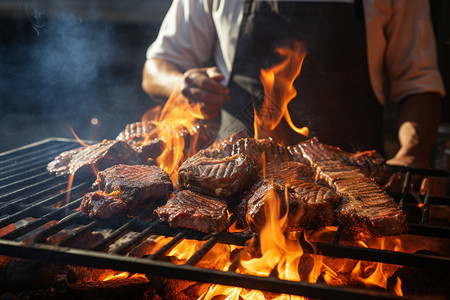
<point>279,91</point>
<point>176,115</point>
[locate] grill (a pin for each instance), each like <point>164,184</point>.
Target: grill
<point>30,197</point>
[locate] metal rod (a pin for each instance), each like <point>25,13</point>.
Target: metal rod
<point>67,221</point>
<point>420,171</point>
<point>426,208</point>
<point>114,236</point>
<point>384,256</point>
<point>41,221</point>
<point>142,236</point>
<point>202,251</point>
<point>69,241</point>
<point>163,250</point>
<point>429,230</point>
<point>405,188</point>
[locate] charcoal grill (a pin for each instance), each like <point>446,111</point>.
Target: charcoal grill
<point>29,192</point>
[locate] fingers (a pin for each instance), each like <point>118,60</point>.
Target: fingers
<point>202,85</point>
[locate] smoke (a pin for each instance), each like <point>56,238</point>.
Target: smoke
<point>58,67</point>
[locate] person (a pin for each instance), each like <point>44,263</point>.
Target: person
<point>359,54</point>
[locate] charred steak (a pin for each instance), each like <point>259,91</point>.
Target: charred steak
<point>140,134</point>
<point>308,205</point>
<point>60,165</point>
<point>86,162</point>
<point>365,207</point>
<point>138,186</point>
<point>102,205</point>
<point>190,210</point>
<point>261,150</point>
<point>212,172</point>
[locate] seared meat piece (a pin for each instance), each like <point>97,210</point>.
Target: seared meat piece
<point>365,206</point>
<point>212,172</point>
<point>370,163</point>
<point>309,205</point>
<point>190,210</point>
<point>140,134</point>
<point>60,165</point>
<point>102,205</point>
<point>286,171</point>
<point>127,189</point>
<point>136,184</point>
<point>261,150</point>
<point>101,156</point>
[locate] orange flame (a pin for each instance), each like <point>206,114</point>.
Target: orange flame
<point>176,115</point>
<point>278,82</point>
<point>76,136</point>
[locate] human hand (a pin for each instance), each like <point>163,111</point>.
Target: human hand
<point>203,85</point>
<point>433,185</point>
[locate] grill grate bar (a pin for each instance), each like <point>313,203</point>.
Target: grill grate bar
<point>28,189</point>
<point>62,255</point>
<point>41,221</point>
<point>202,251</point>
<point>426,208</point>
<point>164,249</point>
<point>37,207</point>
<point>86,230</point>
<point>384,256</point>
<point>12,205</point>
<point>63,223</point>
<point>142,236</point>
<point>44,155</point>
<point>117,234</point>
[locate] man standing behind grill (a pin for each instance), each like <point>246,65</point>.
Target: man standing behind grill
<point>213,52</point>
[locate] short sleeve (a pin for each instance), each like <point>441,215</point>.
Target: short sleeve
<point>187,35</point>
<point>411,58</point>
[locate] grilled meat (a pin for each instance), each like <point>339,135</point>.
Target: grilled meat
<point>84,162</point>
<point>140,134</point>
<point>365,206</point>
<point>286,171</point>
<point>102,205</point>
<point>136,184</point>
<point>212,172</point>
<point>127,189</point>
<point>190,210</point>
<point>60,165</point>
<point>308,205</point>
<point>261,150</point>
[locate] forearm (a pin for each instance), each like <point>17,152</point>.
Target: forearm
<point>160,78</point>
<point>418,121</point>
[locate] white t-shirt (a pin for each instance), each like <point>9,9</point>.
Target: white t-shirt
<point>400,42</point>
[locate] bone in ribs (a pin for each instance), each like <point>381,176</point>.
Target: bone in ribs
<point>365,207</point>
<point>126,189</point>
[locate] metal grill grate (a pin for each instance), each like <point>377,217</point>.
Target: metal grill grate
<point>28,192</point>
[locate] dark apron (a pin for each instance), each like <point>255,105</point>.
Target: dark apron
<point>334,98</point>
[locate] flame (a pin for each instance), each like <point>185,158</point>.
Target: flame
<point>176,115</point>
<point>278,82</point>
<point>76,136</point>
<point>398,287</point>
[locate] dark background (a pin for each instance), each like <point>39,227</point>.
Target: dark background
<point>71,62</point>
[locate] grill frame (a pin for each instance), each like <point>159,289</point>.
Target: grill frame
<point>32,196</point>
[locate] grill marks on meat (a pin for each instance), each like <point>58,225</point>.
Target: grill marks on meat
<point>141,134</point>
<point>365,206</point>
<point>60,165</point>
<point>308,205</point>
<point>190,210</point>
<point>84,162</point>
<point>261,150</point>
<point>286,172</point>
<point>137,187</point>
<point>213,173</point>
